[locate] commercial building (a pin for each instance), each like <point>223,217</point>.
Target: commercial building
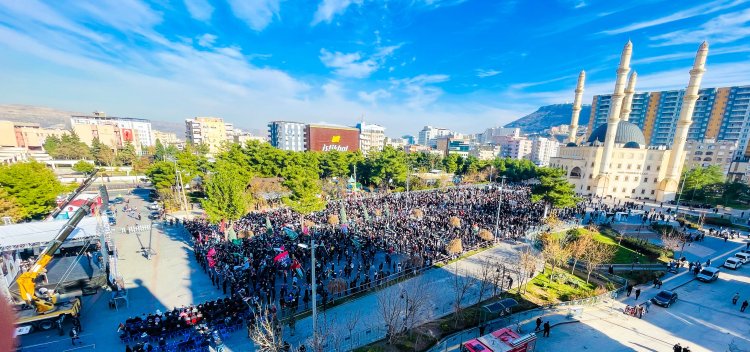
<point>211,131</point>
<point>616,160</point>
<point>287,135</point>
<point>30,136</point>
<point>542,149</point>
<point>722,114</point>
<point>429,135</point>
<point>707,152</point>
<point>329,137</point>
<point>124,129</point>
<point>371,137</point>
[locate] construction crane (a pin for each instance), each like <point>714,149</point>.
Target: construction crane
<point>26,281</point>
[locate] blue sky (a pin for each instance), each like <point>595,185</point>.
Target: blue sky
<point>461,64</point>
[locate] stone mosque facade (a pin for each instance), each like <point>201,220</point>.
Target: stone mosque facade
<point>615,161</point>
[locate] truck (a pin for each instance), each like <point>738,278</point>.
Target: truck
<point>45,309</point>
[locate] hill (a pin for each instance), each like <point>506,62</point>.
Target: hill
<point>549,116</point>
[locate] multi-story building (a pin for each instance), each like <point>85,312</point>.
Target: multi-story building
<point>396,143</point>
<point>515,147</point>
<point>165,138</point>
<point>136,131</point>
<point>287,135</point>
<point>409,139</point>
<point>707,152</point>
<point>490,134</point>
<point>542,149</point>
<point>331,137</point>
<point>26,135</point>
<point>429,135</point>
<point>110,135</point>
<point>722,114</point>
<point>485,152</point>
<point>242,137</point>
<point>371,137</point>
<point>211,131</point>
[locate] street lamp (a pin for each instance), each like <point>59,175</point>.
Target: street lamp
<point>499,201</point>
<point>314,285</point>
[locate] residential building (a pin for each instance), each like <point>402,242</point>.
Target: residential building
<point>409,139</point>
<point>542,149</point>
<point>287,135</point>
<point>110,135</point>
<point>489,134</point>
<point>166,138</point>
<point>396,143</point>
<point>722,114</point>
<point>211,131</point>
<point>134,130</point>
<point>428,135</point>
<point>485,152</point>
<point>707,152</point>
<point>371,137</point>
<point>514,147</point>
<point>242,137</point>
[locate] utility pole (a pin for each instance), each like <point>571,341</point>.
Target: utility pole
<point>314,288</point>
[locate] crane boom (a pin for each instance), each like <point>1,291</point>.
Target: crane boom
<point>25,281</point>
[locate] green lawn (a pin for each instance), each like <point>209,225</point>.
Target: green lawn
<point>622,255</point>
<point>547,288</point>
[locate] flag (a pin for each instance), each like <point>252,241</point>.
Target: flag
<point>366,214</point>
<point>269,227</point>
<point>297,267</point>
<point>387,212</point>
<point>345,228</point>
<point>342,215</point>
<point>223,226</point>
<point>281,257</point>
<point>290,233</point>
<point>231,234</point>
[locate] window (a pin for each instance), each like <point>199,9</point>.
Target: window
<point>648,167</point>
<point>617,178</point>
<point>658,168</point>
<point>652,191</point>
<point>629,166</point>
<point>623,190</point>
<point>619,166</point>
<point>633,191</point>
<point>635,179</point>
<point>614,189</point>
<point>588,188</point>
<point>645,179</point>
<point>643,191</point>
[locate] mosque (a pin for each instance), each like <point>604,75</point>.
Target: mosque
<point>615,161</point>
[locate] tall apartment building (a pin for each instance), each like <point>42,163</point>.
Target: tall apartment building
<point>371,137</point>
<point>30,136</point>
<point>429,135</point>
<point>515,147</point>
<point>542,149</point>
<point>127,129</point>
<point>490,134</point>
<point>722,114</point>
<point>707,152</point>
<point>286,135</point>
<point>212,131</point>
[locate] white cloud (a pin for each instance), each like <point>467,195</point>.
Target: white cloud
<point>483,73</point>
<point>257,14</point>
<point>374,96</point>
<point>356,65</point>
<point>726,28</point>
<point>328,9</point>
<point>691,54</point>
<point>199,9</point>
<point>420,91</point>
<point>348,65</point>
<point>703,9</point>
<point>206,40</point>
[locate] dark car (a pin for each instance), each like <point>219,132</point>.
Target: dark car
<point>664,298</point>
<point>118,200</point>
<point>154,215</point>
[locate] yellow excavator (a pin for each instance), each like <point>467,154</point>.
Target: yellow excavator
<point>47,308</point>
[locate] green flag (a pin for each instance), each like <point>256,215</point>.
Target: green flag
<point>269,227</point>
<point>231,234</point>
<point>342,215</point>
<point>365,213</point>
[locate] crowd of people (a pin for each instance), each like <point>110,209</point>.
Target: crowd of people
<point>372,240</point>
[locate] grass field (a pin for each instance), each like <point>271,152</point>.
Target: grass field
<point>553,287</point>
<point>622,255</point>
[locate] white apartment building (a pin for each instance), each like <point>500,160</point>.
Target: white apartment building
<point>543,149</point>
<point>371,137</point>
<point>489,134</point>
<point>485,152</point>
<point>429,135</point>
<point>515,147</point>
<point>211,131</point>
<point>141,128</point>
<point>287,135</point>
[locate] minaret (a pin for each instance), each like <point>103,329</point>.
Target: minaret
<point>674,169</point>
<point>615,107</point>
<point>627,103</point>
<point>576,108</point>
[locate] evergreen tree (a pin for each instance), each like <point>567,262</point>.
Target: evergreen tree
<point>554,188</point>
<point>33,186</point>
<point>226,192</point>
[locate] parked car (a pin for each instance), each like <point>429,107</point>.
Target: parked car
<point>154,215</point>
<point>743,257</point>
<point>664,299</point>
<point>733,263</point>
<point>112,220</point>
<point>154,206</point>
<point>708,274</point>
<point>118,200</point>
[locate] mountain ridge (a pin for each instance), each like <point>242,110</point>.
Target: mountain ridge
<point>548,116</point>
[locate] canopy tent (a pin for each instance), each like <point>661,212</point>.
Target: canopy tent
<point>34,234</point>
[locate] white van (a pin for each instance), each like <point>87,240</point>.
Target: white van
<point>708,274</point>
<point>733,263</point>
<point>743,257</point>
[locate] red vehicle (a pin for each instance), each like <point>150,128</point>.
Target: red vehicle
<point>503,340</point>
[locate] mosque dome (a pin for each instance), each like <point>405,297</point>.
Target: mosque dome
<point>571,144</point>
<point>626,133</point>
<point>632,145</point>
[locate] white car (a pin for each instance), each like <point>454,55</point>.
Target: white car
<point>708,274</point>
<point>743,257</point>
<point>733,263</point>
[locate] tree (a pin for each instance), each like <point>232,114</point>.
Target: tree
<point>524,266</point>
<point>554,251</point>
<point>105,156</point>
<point>10,207</point>
<point>515,170</point>
<point>162,175</point>
<point>33,186</point>
<point>51,143</point>
<point>554,188</point>
<point>226,192</point>
<point>597,254</point>
<point>484,274</point>
<point>461,284</point>
<point>141,164</point>
<point>385,169</point>
<point>83,167</point>
<point>126,155</point>
<point>671,239</point>
<point>579,246</point>
<point>68,147</point>
<point>266,333</point>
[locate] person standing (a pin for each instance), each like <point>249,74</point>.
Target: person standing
<point>547,328</point>
<point>538,324</point>
<point>744,306</point>
<point>74,336</point>
<point>677,348</point>
<point>630,289</point>
<point>735,298</point>
<point>637,293</point>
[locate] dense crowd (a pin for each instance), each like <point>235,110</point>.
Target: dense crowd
<point>373,239</point>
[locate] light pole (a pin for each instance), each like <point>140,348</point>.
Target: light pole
<point>499,201</point>
<point>314,285</point>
